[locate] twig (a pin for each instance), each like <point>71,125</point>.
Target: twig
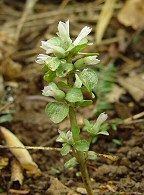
<point>107,156</point>
<point>32,148</point>
<point>28,7</point>
<point>136,116</point>
<point>40,98</point>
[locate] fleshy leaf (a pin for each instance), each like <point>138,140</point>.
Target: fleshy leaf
<point>82,145</point>
<point>74,95</point>
<point>6,118</point>
<point>53,63</point>
<point>49,76</point>
<point>55,41</point>
<point>77,48</point>
<point>92,155</point>
<point>45,68</point>
<point>78,82</point>
<point>89,126</point>
<point>60,139</point>
<point>65,149</point>
<point>57,111</point>
<point>89,79</point>
<point>71,163</point>
<point>64,69</point>
<point>62,84</point>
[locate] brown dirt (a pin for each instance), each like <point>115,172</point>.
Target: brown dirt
<point>33,128</point>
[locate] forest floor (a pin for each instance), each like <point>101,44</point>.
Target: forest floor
<point>24,26</point>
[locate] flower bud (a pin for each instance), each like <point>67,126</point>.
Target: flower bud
<point>41,59</point>
<point>83,62</point>
<point>91,60</point>
<point>53,91</point>
<point>102,118</point>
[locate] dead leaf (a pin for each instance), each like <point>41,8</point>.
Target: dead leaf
<point>115,94</point>
<point>57,187</point>
<point>134,84</point>
<point>19,191</point>
<point>132,14</point>
<point>104,19</point>
<point>22,155</point>
<point>1,87</point>
<point>10,69</point>
<point>110,157</point>
<point>3,162</point>
<point>122,110</point>
<point>16,174</point>
<point>81,190</point>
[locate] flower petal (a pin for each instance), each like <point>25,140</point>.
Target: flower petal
<point>63,31</point>
<point>101,118</point>
<point>91,60</point>
<point>48,91</point>
<point>42,58</point>
<point>84,32</point>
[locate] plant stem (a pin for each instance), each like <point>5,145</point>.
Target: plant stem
<point>80,156</point>
<point>85,176</point>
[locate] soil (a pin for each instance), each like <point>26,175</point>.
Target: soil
<point>32,126</point>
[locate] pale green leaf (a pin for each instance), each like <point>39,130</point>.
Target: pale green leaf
<point>64,69</point>
<point>6,118</point>
<point>74,95</point>
<point>65,149</point>
<point>71,163</point>
<point>57,111</point>
<point>53,63</point>
<point>92,155</point>
<point>78,82</point>
<point>49,76</point>
<point>82,145</point>
<point>89,79</point>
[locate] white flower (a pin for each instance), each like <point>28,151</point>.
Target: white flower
<point>48,91</point>
<point>53,91</point>
<point>84,32</point>
<point>63,31</point>
<point>51,48</point>
<point>62,45</point>
<point>91,60</point>
<point>101,118</point>
<point>42,58</point>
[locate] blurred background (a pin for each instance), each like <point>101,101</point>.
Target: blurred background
<point>118,38</point>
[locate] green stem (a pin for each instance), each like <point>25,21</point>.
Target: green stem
<point>80,157</point>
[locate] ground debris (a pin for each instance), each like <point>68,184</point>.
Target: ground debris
<point>134,84</point>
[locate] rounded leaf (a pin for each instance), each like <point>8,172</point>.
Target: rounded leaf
<point>71,163</point>
<point>65,149</point>
<point>64,69</point>
<point>89,79</point>
<point>74,95</point>
<point>49,76</point>
<point>92,155</point>
<point>53,63</point>
<point>57,111</point>
<point>82,145</point>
